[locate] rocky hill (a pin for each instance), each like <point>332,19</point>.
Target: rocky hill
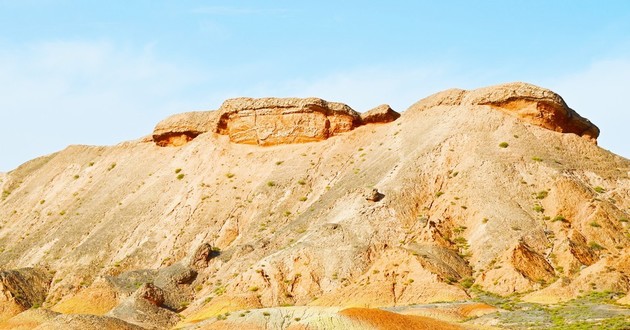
<point>305,214</point>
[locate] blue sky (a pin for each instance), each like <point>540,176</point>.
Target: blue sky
<point>82,72</point>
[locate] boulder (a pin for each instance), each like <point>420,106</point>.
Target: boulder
<point>381,114</point>
<point>202,256</point>
<point>272,121</point>
<point>180,129</point>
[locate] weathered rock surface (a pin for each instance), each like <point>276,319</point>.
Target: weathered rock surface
<point>179,129</point>
<point>533,104</point>
<point>144,308</point>
<point>202,256</point>
<point>381,114</point>
<point>270,121</point>
<point>86,322</point>
<point>530,103</point>
<point>21,289</point>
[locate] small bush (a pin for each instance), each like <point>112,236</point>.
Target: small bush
<point>271,184</point>
<point>595,246</point>
<point>438,194</point>
<point>303,199</point>
<point>254,288</point>
<point>301,182</point>
<point>595,224</point>
<point>537,159</point>
<point>503,144</point>
<point>599,189</point>
<point>467,283</point>
<point>180,176</point>
<point>538,208</point>
<point>559,218</point>
<point>279,162</point>
<point>542,194</point>
<point>111,166</point>
<point>230,175</point>
<point>76,176</point>
<point>177,170</point>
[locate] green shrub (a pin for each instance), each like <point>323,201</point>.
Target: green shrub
<point>559,218</point>
<point>503,144</point>
<point>271,184</point>
<point>595,246</point>
<point>599,189</point>
<point>537,159</point>
<point>538,208</point>
<point>542,194</point>
<point>180,176</point>
<point>177,170</point>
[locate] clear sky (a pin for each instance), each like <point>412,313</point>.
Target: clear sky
<point>101,72</point>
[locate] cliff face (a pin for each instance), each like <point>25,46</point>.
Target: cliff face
<point>501,187</point>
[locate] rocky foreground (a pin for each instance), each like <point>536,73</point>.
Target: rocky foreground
<point>304,214</point>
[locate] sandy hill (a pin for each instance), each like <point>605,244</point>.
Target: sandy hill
<point>307,203</point>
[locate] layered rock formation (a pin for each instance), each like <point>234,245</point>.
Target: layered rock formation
<point>466,189</point>
<point>381,114</point>
<point>269,121</point>
<point>530,103</point>
<point>179,129</point>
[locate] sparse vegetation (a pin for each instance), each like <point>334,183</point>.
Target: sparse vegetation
<point>559,218</point>
<point>301,182</point>
<point>595,246</point>
<point>542,194</point>
<point>76,176</point>
<point>467,282</point>
<point>503,144</point>
<point>538,208</point>
<point>438,194</point>
<point>111,166</point>
<point>229,175</point>
<point>537,159</point>
<point>271,184</point>
<point>177,170</point>
<point>599,190</point>
<point>180,176</point>
<point>595,224</point>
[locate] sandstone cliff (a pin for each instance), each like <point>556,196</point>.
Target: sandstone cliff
<point>501,188</point>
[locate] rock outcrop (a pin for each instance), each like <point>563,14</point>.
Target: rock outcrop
<point>381,114</point>
<point>22,289</point>
<point>535,105</point>
<point>530,103</point>
<point>179,129</point>
<point>271,121</point>
<point>144,308</point>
